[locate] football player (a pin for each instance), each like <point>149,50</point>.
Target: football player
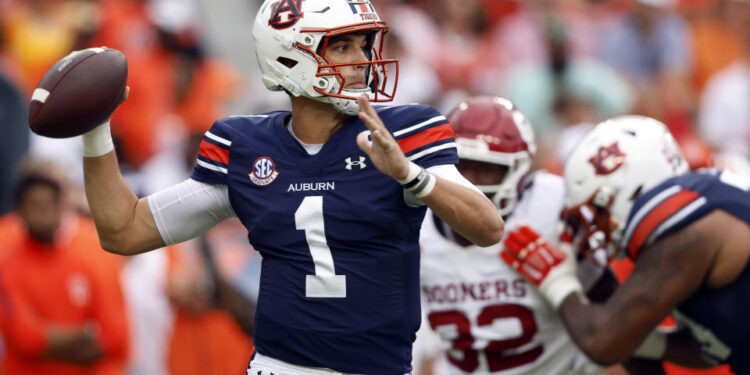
<point>332,194</point>
<point>488,318</point>
<point>628,192</point>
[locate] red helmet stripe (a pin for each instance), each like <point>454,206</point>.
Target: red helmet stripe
<point>424,138</point>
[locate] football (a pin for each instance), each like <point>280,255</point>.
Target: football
<point>78,92</point>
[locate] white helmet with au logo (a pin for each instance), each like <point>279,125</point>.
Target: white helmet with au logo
<point>617,161</point>
<point>291,37</point>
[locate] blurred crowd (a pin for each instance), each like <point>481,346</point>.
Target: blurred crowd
<point>68,307</point>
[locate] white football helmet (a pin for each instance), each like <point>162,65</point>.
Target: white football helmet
<point>291,37</point>
<point>613,164</point>
<point>492,130</point>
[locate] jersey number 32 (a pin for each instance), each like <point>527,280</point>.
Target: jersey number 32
<point>463,342</point>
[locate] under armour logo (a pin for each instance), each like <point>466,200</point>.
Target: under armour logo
<point>360,163</point>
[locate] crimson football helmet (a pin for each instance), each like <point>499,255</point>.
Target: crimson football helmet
<point>492,130</point>
<point>291,37</point>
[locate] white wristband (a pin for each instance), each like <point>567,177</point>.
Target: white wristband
<point>418,181</point>
<point>561,280</point>
<point>414,170</point>
<point>561,288</point>
<point>98,141</point>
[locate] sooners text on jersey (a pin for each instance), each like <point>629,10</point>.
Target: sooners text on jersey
<point>489,319</point>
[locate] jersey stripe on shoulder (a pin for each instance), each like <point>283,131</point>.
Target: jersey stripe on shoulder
<point>431,135</point>
<point>653,219</point>
<point>426,137</point>
<point>214,152</point>
<point>213,156</point>
<point>212,167</point>
<point>433,121</point>
<point>218,139</point>
<point>676,218</point>
<point>646,208</point>
<point>431,150</point>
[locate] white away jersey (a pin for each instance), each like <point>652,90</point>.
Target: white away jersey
<point>487,316</point>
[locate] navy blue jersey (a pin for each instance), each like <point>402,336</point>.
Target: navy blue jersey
<point>716,317</point>
<point>340,276</point>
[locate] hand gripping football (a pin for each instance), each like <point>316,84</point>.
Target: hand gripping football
<point>78,93</point>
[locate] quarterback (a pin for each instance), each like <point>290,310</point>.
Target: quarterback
<point>332,194</point>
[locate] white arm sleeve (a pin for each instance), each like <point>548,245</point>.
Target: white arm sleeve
<point>447,172</point>
<point>450,172</point>
<point>189,209</point>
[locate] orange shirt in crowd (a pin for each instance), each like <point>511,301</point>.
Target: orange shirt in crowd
<point>43,286</point>
<point>714,47</point>
<point>152,77</point>
<point>12,231</point>
<point>208,342</point>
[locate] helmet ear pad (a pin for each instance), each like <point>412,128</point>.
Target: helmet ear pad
<point>492,130</point>
<point>290,43</point>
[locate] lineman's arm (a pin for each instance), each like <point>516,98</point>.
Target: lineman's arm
<point>665,273</point>
<point>467,211</point>
<point>677,347</point>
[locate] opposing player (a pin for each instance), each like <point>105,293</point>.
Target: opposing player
<point>627,191</point>
<point>332,194</point>
<point>489,319</point>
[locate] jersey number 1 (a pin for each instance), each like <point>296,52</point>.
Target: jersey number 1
<point>325,283</point>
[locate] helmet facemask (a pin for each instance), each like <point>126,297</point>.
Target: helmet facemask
<point>331,83</point>
<point>591,228</point>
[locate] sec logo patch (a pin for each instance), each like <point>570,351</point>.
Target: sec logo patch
<point>264,171</point>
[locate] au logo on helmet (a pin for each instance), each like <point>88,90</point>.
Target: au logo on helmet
<point>286,13</point>
<point>608,159</point>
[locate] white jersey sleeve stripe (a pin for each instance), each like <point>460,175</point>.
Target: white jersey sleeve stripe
<point>681,214</point>
<point>658,198</point>
<point>417,126</point>
<point>216,138</point>
<point>211,166</point>
<point>431,150</point>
